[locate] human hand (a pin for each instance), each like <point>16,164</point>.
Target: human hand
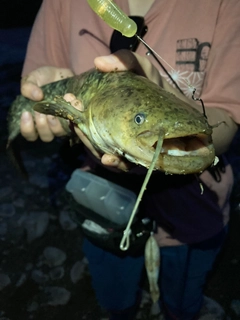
<point>46,127</point>
<point>119,61</point>
<point>126,60</point>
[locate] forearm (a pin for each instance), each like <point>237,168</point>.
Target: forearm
<point>225,128</point>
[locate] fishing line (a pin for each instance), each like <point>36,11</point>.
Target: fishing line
<point>124,244</point>
<point>118,20</point>
<point>156,56</point>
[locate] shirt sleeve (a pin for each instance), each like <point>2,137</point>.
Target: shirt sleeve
<point>48,41</point>
<point>222,81</point>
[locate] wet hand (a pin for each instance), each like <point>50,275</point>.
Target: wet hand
<point>45,127</point>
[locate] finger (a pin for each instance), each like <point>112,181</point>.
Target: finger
<point>62,73</point>
<point>55,126</point>
<point>77,104</point>
<point>27,127</point>
<point>30,90</point>
<point>126,60</point>
<point>112,62</point>
<point>120,61</point>
<point>42,127</point>
<point>115,161</point>
<point>69,97</point>
<point>31,83</point>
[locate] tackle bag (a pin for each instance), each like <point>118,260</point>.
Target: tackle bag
<point>102,208</point>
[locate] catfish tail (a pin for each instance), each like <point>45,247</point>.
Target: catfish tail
<point>19,105</point>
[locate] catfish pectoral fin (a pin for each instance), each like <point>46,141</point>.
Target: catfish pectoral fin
<point>59,108</point>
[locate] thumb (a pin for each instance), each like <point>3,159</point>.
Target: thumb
<point>31,91</point>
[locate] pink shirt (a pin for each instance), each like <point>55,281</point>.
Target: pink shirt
<point>179,31</point>
<point>200,40</point>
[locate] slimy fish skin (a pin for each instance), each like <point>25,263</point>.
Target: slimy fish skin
<point>125,114</point>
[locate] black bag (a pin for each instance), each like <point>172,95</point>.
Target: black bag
<point>107,234</point>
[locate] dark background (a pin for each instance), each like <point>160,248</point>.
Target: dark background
<point>16,19</point>
<point>18,13</point>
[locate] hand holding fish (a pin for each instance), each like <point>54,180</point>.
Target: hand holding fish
<point>46,127</point>
<point>150,115</point>
<point>123,60</point>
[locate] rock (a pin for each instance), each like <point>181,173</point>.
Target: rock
<point>7,210</point>
<point>21,280</point>
<point>57,273</point>
<point>29,266</point>
<point>36,224</point>
<point>77,271</point>
<point>54,257</point>
<point>234,261</point>
<point>57,296</point>
<point>66,222</point>
<point>28,191</point>
<point>38,180</point>
<point>211,310</point>
<point>19,203</point>
<point>29,164</point>
<point>46,160</point>
<point>40,262</point>
<point>39,277</point>
<point>146,298</point>
<point>3,229</point>
<point>155,309</point>
<point>235,306</point>
<point>33,306</point>
<point>5,192</point>
<point>4,280</point>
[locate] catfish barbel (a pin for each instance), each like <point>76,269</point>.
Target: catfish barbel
<point>125,114</point>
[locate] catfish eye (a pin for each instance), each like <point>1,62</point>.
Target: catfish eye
<point>139,118</point>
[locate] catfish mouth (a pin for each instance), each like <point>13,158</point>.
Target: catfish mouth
<point>192,145</point>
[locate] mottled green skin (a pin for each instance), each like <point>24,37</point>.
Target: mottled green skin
<point>111,101</point>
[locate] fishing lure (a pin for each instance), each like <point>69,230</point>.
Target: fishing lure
<point>118,20</point>
<point>152,265</point>
<point>114,16</point>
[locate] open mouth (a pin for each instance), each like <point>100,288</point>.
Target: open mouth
<point>194,145</point>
